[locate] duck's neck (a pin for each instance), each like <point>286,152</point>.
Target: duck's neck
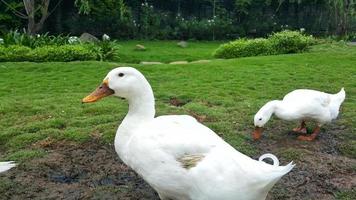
<point>141,107</point>
<point>280,109</point>
<point>270,108</point>
<point>141,110</point>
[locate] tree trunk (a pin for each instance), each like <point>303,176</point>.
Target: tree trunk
<point>32,26</point>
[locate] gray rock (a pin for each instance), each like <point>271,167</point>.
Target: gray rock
<point>179,63</point>
<point>201,61</point>
<point>183,44</point>
<point>87,37</point>
<point>150,63</point>
<point>140,47</point>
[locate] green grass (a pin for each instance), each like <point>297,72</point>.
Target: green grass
<point>43,100</point>
<point>165,51</point>
<point>346,195</point>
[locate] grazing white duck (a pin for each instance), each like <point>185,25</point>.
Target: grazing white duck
<point>179,157</point>
<point>301,105</point>
<point>4,166</point>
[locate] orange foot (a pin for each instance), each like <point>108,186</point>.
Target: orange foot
<point>306,138</point>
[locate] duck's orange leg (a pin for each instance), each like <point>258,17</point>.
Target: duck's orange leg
<point>302,129</point>
<point>312,136</point>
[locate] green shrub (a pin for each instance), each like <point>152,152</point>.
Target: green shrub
<point>33,41</point>
<point>14,53</point>
<point>277,43</point>
<point>105,50</point>
<point>64,53</point>
<point>244,48</point>
<point>290,42</point>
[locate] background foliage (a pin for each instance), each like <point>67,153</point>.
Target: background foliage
<point>189,19</point>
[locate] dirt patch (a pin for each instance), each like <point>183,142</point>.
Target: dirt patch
<point>174,101</point>
<point>69,171</point>
<point>320,170</point>
<point>94,171</point>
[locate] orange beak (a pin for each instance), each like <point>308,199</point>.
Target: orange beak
<point>257,133</point>
<point>102,91</point>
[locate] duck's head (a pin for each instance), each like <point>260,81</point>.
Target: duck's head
<point>123,82</point>
<point>262,117</point>
<point>259,121</point>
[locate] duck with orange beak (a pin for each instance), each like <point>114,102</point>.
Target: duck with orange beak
<point>301,105</point>
<point>178,156</point>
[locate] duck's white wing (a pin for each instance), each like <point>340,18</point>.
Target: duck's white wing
<point>302,96</point>
<point>182,134</point>
<point>308,104</point>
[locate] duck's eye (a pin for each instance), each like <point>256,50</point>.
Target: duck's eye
<point>260,119</point>
<point>121,74</point>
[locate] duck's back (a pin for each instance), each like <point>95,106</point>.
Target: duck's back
<point>306,95</point>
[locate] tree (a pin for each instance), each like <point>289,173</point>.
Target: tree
<point>36,12</point>
<point>343,11</point>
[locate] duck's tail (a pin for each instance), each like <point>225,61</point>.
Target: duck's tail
<point>271,174</point>
<point>4,166</point>
<point>280,170</point>
<point>336,102</point>
<point>340,96</point>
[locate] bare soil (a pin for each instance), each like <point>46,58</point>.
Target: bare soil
<point>320,169</point>
<point>87,171</point>
<point>93,171</point>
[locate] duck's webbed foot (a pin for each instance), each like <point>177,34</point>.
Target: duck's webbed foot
<point>302,129</point>
<point>312,136</point>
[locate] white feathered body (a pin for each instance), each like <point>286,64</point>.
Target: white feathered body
<point>304,104</point>
<point>178,156</point>
<point>4,166</point>
<point>154,147</point>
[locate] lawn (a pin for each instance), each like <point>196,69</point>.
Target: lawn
<point>165,51</point>
<point>41,102</point>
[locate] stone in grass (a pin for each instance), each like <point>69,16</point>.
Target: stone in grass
<point>87,37</point>
<point>201,61</point>
<point>140,47</point>
<point>178,62</point>
<point>183,44</point>
<point>150,63</point>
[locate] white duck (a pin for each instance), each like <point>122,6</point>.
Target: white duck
<point>301,105</point>
<point>4,166</point>
<point>179,157</point>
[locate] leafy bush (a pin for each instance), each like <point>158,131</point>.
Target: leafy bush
<point>106,50</point>
<point>290,41</point>
<point>244,48</point>
<point>18,38</point>
<point>47,53</point>
<point>277,43</point>
<point>62,53</point>
<point>14,53</point>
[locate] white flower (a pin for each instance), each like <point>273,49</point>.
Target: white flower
<point>38,35</point>
<point>302,30</point>
<point>73,40</point>
<point>106,37</point>
<point>1,41</point>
